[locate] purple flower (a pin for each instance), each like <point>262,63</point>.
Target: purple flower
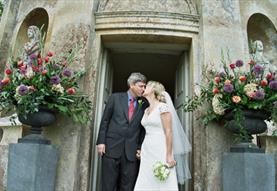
<point>33,56</point>
<point>275,104</point>
<point>67,72</point>
<point>56,66</point>
<point>273,84</point>
<point>222,74</point>
<point>55,80</point>
<point>22,90</point>
<point>257,69</point>
<point>259,95</point>
<point>23,71</point>
<point>229,88</point>
<point>239,63</point>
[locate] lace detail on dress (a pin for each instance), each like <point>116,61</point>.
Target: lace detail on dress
<point>163,108</point>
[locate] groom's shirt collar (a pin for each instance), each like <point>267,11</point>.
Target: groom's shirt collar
<point>131,97</point>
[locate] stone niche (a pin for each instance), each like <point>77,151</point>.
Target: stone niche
<point>260,27</point>
<point>38,17</point>
<point>172,6</point>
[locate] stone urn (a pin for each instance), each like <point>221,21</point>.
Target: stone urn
<point>251,123</point>
<point>44,117</point>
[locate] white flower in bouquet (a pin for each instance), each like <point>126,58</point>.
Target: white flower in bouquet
<point>161,171</point>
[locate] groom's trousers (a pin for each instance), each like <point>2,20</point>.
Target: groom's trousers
<point>119,174</point>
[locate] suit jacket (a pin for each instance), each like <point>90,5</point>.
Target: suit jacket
<point>116,131</point>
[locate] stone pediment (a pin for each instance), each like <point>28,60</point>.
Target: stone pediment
<point>171,6</point>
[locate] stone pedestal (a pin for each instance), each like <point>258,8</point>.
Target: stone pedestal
<point>32,167</point>
<point>248,172</point>
<point>269,144</point>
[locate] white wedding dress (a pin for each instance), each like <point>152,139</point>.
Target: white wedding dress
<point>154,149</point>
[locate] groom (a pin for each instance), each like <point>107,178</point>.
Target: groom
<point>121,135</point>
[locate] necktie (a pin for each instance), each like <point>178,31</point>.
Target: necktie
<point>131,109</point>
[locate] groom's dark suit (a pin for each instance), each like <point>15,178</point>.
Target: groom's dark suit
<point>122,139</point>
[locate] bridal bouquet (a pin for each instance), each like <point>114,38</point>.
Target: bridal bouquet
<point>161,171</point>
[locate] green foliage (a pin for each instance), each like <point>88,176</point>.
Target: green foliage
<point>46,80</point>
<point>1,8</point>
<point>235,89</point>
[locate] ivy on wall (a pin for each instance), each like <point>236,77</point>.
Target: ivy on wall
<point>1,8</point>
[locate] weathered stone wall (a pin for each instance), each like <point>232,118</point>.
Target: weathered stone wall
<point>173,6</point>
<point>222,24</point>
<point>71,27</point>
<point>68,26</point>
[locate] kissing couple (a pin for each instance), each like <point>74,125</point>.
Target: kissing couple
<point>139,128</point>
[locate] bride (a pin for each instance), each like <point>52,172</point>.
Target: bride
<point>165,141</point>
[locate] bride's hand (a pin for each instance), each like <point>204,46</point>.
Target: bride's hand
<point>170,161</point>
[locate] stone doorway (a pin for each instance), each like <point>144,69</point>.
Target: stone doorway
<point>161,61</point>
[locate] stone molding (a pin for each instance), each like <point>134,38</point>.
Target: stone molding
<point>147,20</point>
<point>11,133</point>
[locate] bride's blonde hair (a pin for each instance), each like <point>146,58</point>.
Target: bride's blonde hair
<point>158,90</point>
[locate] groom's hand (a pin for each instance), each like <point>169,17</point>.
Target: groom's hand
<point>101,149</point>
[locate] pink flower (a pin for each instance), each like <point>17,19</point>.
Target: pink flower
<point>71,91</point>
<point>217,79</point>
<point>236,99</point>
<point>242,78</point>
<point>215,91</point>
<point>5,81</point>
<point>50,54</point>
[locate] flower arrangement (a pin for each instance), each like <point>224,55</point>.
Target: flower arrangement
<point>161,171</point>
<point>46,80</point>
<point>234,89</point>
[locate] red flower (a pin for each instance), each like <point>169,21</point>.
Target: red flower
<point>217,79</point>
<point>23,67</point>
<point>46,59</point>
<point>8,71</point>
<point>50,54</point>
<point>35,69</point>
<point>269,76</point>
<point>5,81</point>
<point>232,66</point>
<point>20,63</point>
<point>44,72</point>
<point>215,91</point>
<point>71,91</point>
<point>40,61</point>
<point>242,78</point>
<point>263,83</point>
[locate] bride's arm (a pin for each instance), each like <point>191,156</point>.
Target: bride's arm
<point>166,121</point>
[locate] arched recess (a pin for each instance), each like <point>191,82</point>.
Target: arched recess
<point>260,27</point>
<point>38,17</point>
